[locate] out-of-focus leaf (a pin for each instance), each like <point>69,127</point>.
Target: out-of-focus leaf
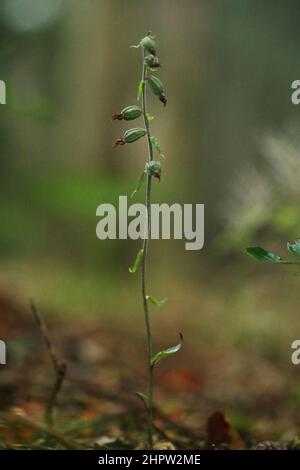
<point>139,184</point>
<point>137,261</point>
<point>294,247</point>
<point>144,398</point>
<point>136,46</point>
<point>167,352</point>
<point>150,117</point>
<point>262,255</point>
<point>266,256</point>
<point>155,301</point>
<point>140,89</point>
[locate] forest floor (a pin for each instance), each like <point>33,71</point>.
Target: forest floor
<point>204,398</point>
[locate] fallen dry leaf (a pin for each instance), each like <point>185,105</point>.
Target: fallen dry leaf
<point>220,431</point>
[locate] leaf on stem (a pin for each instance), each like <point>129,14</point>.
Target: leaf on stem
<point>144,398</point>
<point>140,89</point>
<point>137,261</point>
<point>150,117</point>
<point>155,301</point>
<point>261,254</point>
<point>294,247</point>
<point>136,46</point>
<point>139,184</point>
<point>156,144</point>
<point>167,352</point>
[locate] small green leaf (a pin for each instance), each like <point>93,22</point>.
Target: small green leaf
<point>136,46</point>
<point>149,117</point>
<point>294,247</point>
<point>140,89</point>
<point>155,301</point>
<point>156,145</point>
<point>143,398</point>
<point>262,255</point>
<point>137,262</point>
<point>167,352</point>
<point>139,184</point>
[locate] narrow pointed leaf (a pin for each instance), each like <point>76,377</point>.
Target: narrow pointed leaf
<point>140,89</point>
<point>294,247</point>
<point>261,254</point>
<point>143,398</point>
<point>167,352</point>
<point>156,145</point>
<point>137,261</point>
<point>155,301</point>
<point>139,184</point>
<point>136,46</point>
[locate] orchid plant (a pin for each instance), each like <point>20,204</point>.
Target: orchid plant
<point>152,169</point>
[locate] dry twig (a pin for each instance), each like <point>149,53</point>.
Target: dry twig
<point>60,368</point>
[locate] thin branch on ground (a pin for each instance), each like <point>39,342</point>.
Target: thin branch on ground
<point>60,368</point>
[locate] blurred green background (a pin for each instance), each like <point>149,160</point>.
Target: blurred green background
<point>231,138</point>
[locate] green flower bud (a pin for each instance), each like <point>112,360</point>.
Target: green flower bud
<point>131,136</point>
<point>134,134</point>
<point>149,44</point>
<point>156,85</point>
<point>153,168</point>
<point>158,89</point>
<point>152,61</point>
<point>128,113</point>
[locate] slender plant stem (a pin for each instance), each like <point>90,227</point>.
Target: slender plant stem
<point>144,263</point>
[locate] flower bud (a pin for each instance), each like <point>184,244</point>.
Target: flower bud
<point>158,89</point>
<point>152,61</point>
<point>149,44</point>
<point>134,134</point>
<point>131,136</point>
<point>153,168</point>
<point>128,113</point>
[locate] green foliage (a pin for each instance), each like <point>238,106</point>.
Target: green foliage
<point>137,261</point>
<point>140,89</point>
<point>156,145</point>
<point>155,301</point>
<point>143,398</point>
<point>139,183</point>
<point>294,247</point>
<point>261,254</point>
<point>167,352</point>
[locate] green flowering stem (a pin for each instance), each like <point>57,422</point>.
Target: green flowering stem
<point>144,263</point>
<point>152,170</point>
